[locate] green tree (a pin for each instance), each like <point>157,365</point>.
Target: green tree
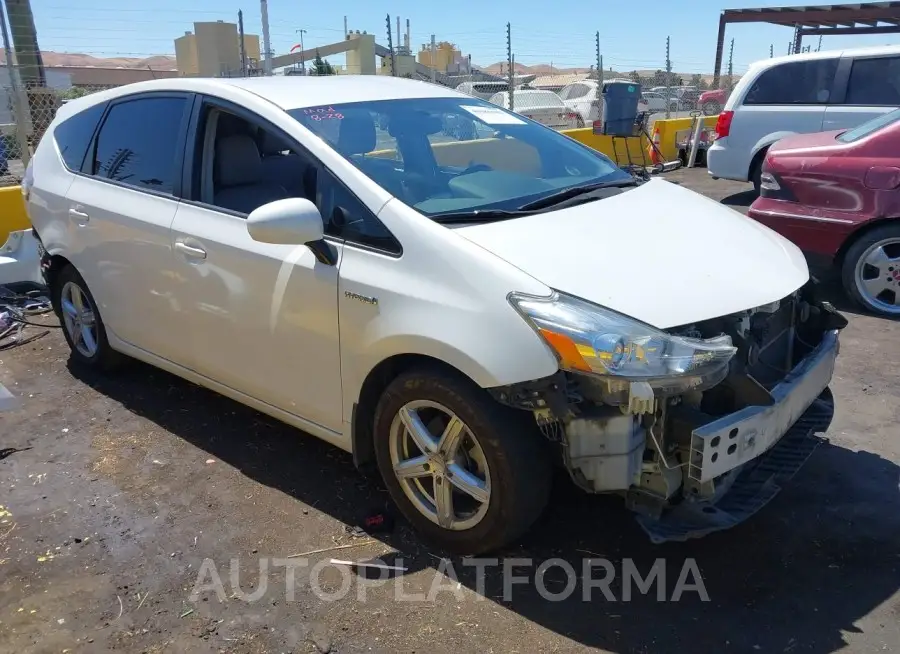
<point>321,66</point>
<point>635,77</point>
<point>74,92</point>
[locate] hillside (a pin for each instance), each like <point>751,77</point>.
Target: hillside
<point>157,62</point>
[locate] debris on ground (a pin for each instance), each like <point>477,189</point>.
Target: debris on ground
<point>19,303</point>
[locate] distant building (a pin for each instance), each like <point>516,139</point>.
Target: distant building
<point>447,58</point>
<point>214,50</point>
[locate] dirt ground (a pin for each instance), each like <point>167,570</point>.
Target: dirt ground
<point>114,490</point>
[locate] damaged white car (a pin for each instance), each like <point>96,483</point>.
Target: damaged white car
<point>464,314</point>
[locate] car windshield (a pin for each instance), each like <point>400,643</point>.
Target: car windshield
<point>869,127</point>
<point>455,155</point>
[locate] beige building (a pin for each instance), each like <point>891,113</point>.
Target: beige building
<point>214,50</point>
<point>447,58</point>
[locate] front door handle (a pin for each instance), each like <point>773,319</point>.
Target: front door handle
<point>190,250</point>
<point>79,217</point>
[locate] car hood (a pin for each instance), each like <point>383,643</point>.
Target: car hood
<point>659,253</point>
<point>803,142</point>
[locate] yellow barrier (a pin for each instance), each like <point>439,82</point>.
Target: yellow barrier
<point>668,130</point>
<point>12,212</point>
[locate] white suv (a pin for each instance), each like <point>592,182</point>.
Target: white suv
<point>463,314</point>
<point>799,94</point>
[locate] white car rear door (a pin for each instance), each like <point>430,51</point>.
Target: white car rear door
<point>867,87</point>
<point>121,212</point>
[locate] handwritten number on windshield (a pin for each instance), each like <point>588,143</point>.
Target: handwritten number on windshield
<point>323,113</point>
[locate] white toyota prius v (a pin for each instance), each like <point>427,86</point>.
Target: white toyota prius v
<point>465,315</point>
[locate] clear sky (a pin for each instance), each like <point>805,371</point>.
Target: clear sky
<point>632,33</point>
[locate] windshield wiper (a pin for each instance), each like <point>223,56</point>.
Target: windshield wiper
<point>560,197</point>
<point>479,216</point>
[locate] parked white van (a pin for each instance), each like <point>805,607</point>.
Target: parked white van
<point>797,94</point>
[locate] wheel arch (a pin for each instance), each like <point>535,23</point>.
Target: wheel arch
<point>762,146</point>
<point>378,379</point>
<point>860,232</point>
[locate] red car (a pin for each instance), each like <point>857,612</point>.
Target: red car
<point>837,196</point>
<point>712,101</point>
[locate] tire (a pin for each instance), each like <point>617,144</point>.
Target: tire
<point>711,108</point>
<point>852,274</point>
<point>514,455</point>
<point>102,356</point>
<point>756,171</point>
<point>673,108</point>
<point>579,122</point>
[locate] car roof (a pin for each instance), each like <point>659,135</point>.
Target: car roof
<point>286,91</point>
<point>872,51</point>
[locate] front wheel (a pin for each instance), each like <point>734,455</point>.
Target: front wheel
<point>469,474</point>
<point>871,271</point>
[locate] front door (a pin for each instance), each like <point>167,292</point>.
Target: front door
<point>262,319</point>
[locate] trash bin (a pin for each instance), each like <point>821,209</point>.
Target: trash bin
<point>620,108</point>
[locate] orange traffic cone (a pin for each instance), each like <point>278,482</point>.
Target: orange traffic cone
<point>653,148</point>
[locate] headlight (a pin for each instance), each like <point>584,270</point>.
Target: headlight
<point>588,338</point>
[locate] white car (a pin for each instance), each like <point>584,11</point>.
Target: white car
<point>656,102</point>
<point>582,98</point>
<point>544,107</point>
<point>465,315</point>
<point>800,94</point>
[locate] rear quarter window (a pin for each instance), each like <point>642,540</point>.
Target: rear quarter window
<point>74,134</point>
<point>797,82</point>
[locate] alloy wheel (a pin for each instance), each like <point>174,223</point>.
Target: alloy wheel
<point>440,465</point>
<point>877,276</point>
<point>79,319</point>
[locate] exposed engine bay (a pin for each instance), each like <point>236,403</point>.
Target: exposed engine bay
<point>709,457</point>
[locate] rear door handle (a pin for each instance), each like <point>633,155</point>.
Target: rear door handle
<point>190,250</point>
<point>79,217</point>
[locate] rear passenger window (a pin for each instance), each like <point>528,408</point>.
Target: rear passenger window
<point>875,82</point>
<point>74,134</point>
<point>137,143</point>
<point>800,82</point>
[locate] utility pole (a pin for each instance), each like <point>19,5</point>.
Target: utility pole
<point>25,43</point>
<point>267,62</point>
<point>790,47</point>
<point>433,61</point>
<point>771,50</point>
<point>302,52</point>
<point>243,45</point>
<point>20,108</point>
<point>668,77</point>
<point>391,47</point>
<point>819,47</point>
<point>731,61</point>
<point>509,60</point>
<point>598,100</point>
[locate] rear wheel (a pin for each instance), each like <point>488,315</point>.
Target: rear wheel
<point>871,270</point>
<point>756,170</point>
<point>469,474</point>
<point>579,121</point>
<point>81,322</point>
<point>711,108</point>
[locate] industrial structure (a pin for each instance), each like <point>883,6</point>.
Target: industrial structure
<point>444,57</point>
<point>835,20</point>
<point>213,49</point>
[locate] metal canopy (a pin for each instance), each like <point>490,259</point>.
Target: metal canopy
<point>843,19</point>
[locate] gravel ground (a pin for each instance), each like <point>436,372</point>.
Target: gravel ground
<point>115,490</point>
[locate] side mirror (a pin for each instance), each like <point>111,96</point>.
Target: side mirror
<point>292,221</point>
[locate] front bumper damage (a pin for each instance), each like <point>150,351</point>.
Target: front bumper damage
<point>705,460</point>
<point>763,445</point>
